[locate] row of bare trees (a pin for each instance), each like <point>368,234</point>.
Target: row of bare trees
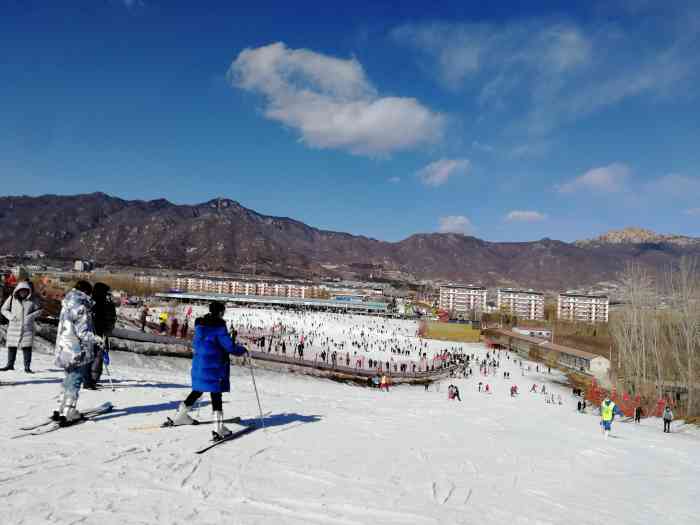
<point>657,331</point>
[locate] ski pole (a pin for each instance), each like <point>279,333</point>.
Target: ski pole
<point>106,361</point>
<point>255,387</point>
<point>109,376</point>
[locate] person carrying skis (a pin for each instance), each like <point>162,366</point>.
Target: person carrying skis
<point>20,310</point>
<point>668,417</point>
<point>608,409</point>
<point>75,348</point>
<point>211,369</point>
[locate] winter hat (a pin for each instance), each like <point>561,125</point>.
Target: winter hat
<point>216,308</point>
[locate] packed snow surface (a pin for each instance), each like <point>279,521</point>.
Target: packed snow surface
<point>337,454</point>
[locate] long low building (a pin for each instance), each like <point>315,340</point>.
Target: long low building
<point>287,302</point>
<point>537,349</point>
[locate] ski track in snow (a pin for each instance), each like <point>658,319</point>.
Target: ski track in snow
<point>406,457</point>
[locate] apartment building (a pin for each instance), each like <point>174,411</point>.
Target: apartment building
<point>524,304</point>
<point>224,285</point>
<point>462,298</point>
<point>583,308</point>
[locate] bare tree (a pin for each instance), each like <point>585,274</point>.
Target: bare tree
<point>684,291</point>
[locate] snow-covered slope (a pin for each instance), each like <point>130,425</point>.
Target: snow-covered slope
<point>337,454</point>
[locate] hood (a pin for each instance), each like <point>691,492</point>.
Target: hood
<point>76,298</point>
<point>24,285</point>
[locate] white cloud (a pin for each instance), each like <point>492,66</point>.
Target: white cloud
<point>439,172</point>
<point>525,216</point>
<point>480,146</point>
<point>394,180</point>
<point>606,179</point>
<point>674,185</point>
<point>547,72</point>
<point>693,212</point>
<point>331,102</point>
<point>464,50</point>
<point>456,224</point>
<point>532,149</point>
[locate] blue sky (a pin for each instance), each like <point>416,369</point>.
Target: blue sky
<point>385,121</point>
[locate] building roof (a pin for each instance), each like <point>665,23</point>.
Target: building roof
<point>279,301</point>
<point>515,290</point>
<point>463,286</point>
<point>585,295</point>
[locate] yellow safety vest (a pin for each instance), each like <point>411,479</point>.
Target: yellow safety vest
<point>606,411</point>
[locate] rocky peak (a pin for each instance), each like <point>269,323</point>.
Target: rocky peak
<point>633,235</point>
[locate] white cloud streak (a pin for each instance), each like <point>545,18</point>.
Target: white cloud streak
<point>549,72</point>
<point>456,224</point>
<point>331,103</point>
<point>439,172</point>
<point>525,216</point>
<point>606,179</point>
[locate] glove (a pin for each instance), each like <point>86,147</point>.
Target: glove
<point>100,340</point>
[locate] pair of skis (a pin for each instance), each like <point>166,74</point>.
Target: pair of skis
<point>49,425</point>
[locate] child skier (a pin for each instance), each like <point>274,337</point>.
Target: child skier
<point>75,348</point>
<point>608,409</point>
<point>210,367</point>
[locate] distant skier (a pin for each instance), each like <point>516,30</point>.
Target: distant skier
<point>638,414</point>
<point>211,346</point>
<point>75,348</point>
<point>384,384</point>
<point>608,409</point>
<point>668,417</point>
<point>144,317</point>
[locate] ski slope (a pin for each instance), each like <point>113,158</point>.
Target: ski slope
<point>337,454</point>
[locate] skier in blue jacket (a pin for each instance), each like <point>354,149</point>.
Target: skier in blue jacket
<point>211,347</point>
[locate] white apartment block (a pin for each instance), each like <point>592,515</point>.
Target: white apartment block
<point>524,304</point>
<point>240,287</point>
<point>583,308</point>
<point>462,299</point>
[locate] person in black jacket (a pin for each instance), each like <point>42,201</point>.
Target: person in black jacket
<point>104,317</point>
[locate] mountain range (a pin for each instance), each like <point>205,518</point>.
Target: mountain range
<point>222,235</point>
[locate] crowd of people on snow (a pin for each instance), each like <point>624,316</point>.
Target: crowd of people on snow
<point>88,316</point>
<point>362,343</point>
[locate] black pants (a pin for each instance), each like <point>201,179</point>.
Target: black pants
<point>12,356</point>
<point>217,403</point>
<point>667,426</point>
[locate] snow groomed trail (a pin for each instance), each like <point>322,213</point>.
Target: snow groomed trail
<point>337,454</point>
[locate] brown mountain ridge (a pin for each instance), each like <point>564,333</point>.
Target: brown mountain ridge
<point>222,235</point>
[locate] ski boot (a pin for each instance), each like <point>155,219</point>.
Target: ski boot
<point>70,414</point>
<point>220,432</point>
<point>182,417</point>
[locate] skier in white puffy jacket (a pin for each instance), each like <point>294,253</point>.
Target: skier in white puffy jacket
<point>75,348</point>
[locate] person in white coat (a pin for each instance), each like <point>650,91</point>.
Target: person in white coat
<point>21,311</point>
